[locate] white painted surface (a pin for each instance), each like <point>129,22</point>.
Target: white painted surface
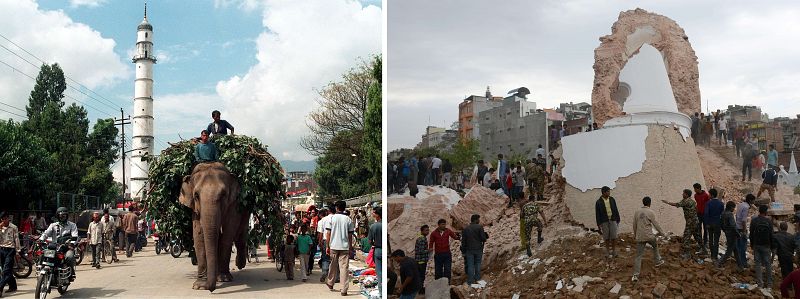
<point>142,122</point>
<point>670,119</point>
<point>646,74</point>
<point>598,158</point>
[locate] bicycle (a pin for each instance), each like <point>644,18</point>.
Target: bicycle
<point>107,252</point>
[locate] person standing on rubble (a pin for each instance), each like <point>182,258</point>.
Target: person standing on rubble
<point>502,170</point>
<point>762,242</point>
<point>747,161</point>
<point>742,211</point>
<point>474,237</point>
<point>422,254</point>
<point>691,229</point>
<point>712,217</point>
<point>607,217</point>
<point>644,222</point>
<point>770,183</point>
<point>440,243</point>
<point>728,225</point>
<point>784,249</point>
<point>701,197</point>
<point>528,219</point>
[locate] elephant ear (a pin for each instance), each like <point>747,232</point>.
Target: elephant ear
<point>233,191</point>
<point>187,192</point>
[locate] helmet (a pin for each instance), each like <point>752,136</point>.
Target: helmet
<point>62,214</point>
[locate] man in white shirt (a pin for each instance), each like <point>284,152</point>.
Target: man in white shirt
<point>339,234</point>
<point>540,151</point>
<point>436,166</point>
<point>324,257</point>
<point>95,235</point>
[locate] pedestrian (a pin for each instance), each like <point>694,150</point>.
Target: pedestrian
<point>739,141</point>
<point>422,254</point>
<point>538,175</point>
<point>742,212</point>
<point>748,154</point>
<point>772,157</point>
<point>691,228</point>
<point>131,232</point>
<point>712,218</point>
<point>440,243</point>
<point>140,227</point>
<point>304,244</point>
<point>436,167</point>
<point>793,281</point>
<point>728,225</point>
<point>339,231</point>
<point>502,169</point>
<point>391,173</point>
<point>109,229</point>
<point>482,170</point>
<point>413,176</point>
<point>540,151</point>
<point>708,131</point>
<point>762,243</point>
<point>95,236</point>
<point>410,281</point>
<point>701,197</point>
<point>9,246</point>
<point>447,170</point>
<point>218,126</point>
<point>375,237</point>
<point>289,254</point>
<point>770,183</point>
<point>529,218</point>
<point>607,217</point>
<point>696,128</point>
<point>785,247</point>
<point>487,178</point>
<point>324,261</point>
<point>760,162</point>
<point>722,135</point>
<point>473,239</point>
<point>518,183</point>
<point>644,223</point>
<point>423,170</point>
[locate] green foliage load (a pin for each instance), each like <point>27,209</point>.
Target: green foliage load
<point>259,174</point>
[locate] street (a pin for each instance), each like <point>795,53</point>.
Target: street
<point>162,276</point>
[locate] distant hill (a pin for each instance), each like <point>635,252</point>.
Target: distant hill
<point>289,165</point>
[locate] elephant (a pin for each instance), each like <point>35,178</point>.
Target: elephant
<point>211,192</point>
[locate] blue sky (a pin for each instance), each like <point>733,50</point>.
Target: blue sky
<point>260,62</point>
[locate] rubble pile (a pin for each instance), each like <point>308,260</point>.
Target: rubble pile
<point>576,267</point>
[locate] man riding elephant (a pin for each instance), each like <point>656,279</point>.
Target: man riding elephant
<point>211,192</point>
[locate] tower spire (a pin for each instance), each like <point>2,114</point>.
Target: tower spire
<point>145,10</point>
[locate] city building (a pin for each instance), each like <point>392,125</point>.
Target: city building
<point>142,108</point>
<point>299,184</point>
<point>514,128</point>
<point>436,136</point>
<point>744,114</point>
<point>470,108</point>
<point>767,133</point>
<point>791,132</point>
<point>577,117</point>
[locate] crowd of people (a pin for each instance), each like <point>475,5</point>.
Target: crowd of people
<point>337,235</point>
<point>422,171</point>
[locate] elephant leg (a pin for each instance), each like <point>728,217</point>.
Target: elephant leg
<point>241,242</point>
<point>200,253</point>
<point>230,228</point>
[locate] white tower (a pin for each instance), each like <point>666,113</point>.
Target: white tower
<point>142,107</point>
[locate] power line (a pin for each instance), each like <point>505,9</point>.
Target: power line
<point>68,85</point>
<point>14,107</point>
<point>66,95</point>
<point>9,112</point>
<point>45,62</point>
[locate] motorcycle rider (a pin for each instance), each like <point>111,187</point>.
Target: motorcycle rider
<point>63,227</point>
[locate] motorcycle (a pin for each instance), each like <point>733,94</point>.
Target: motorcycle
<point>175,247</point>
<point>161,243</point>
<point>53,269</point>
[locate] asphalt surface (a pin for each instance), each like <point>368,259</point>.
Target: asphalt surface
<point>147,275</point>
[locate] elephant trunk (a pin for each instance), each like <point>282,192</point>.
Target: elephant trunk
<point>211,222</point>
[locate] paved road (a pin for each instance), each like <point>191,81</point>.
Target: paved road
<point>147,275</point>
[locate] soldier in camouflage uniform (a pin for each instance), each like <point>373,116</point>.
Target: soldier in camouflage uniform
<point>535,181</point>
<point>690,215</point>
<point>528,218</point>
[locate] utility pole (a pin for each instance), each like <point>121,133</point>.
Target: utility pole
<point>122,121</point>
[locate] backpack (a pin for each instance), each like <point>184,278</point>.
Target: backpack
<point>760,232</point>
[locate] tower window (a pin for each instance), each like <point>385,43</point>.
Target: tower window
<point>145,35</point>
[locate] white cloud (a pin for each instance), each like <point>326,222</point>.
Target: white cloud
<point>82,52</point>
<point>88,3</point>
<point>305,45</point>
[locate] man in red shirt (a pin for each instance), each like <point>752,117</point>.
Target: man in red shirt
<point>440,243</point>
<point>701,197</point>
<point>793,280</point>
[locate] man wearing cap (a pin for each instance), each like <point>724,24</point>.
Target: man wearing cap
<point>9,246</point>
<point>63,228</point>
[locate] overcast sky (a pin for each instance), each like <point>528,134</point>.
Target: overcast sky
<point>439,52</point>
<point>259,62</point>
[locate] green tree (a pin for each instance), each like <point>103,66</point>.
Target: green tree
<point>80,159</point>
<point>372,146</point>
<point>465,153</point>
<point>24,167</point>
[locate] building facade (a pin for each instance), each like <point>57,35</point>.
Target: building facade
<point>470,108</point>
<point>514,128</point>
<point>435,136</point>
